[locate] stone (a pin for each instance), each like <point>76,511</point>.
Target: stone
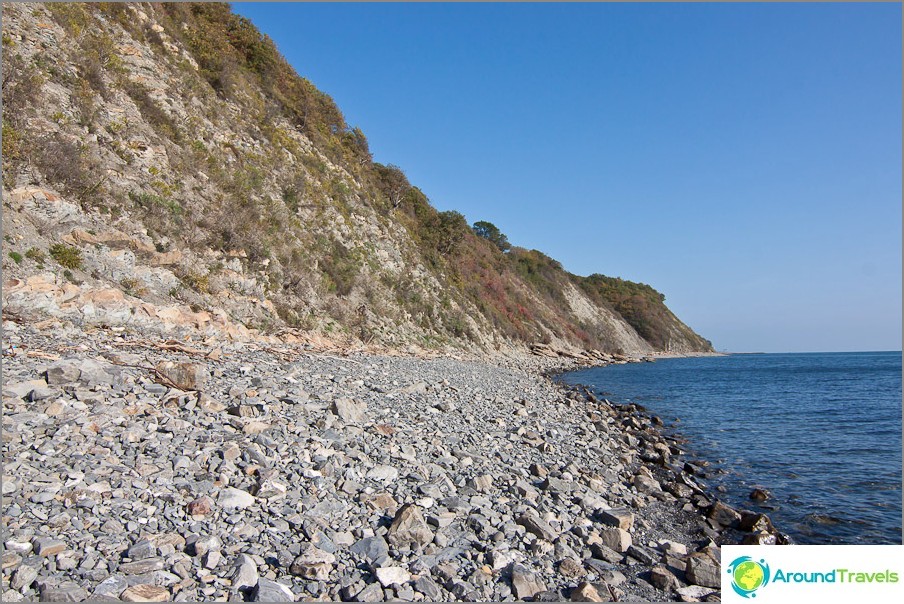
<point>111,587</point>
<point>673,548</point>
<point>759,538</point>
<point>64,592</point>
<point>145,593</point>
<point>235,498</point>
<point>723,515</point>
<point>755,522</point>
<point>646,484</point>
<point>693,593</point>
<point>349,411</point>
<point>184,376</point>
<point>702,570</point>
<point>269,488</point>
<point>621,518</point>
<point>140,567</point>
<point>64,372</point>
<point>539,527</point>
<point>313,563</point>
<point>141,550</point>
<point>46,546</point>
<point>392,575</point>
<point>371,593</point>
<point>271,591</point>
<point>642,554</point>
<point>662,578</point>
<point>244,572</point>
<point>428,587</point>
<point>39,394</point>
<point>382,473</point>
<point>760,495</point>
<point>409,529</point>
<point>571,568</point>
<point>23,577</point>
<point>202,506</point>
<point>373,549</point>
<point>616,539</point>
<point>586,592</point>
<point>482,483</point>
<point>525,583</point>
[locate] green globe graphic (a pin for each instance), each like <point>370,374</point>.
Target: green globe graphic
<point>748,575</point>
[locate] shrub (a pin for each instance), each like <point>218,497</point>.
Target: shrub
<point>37,255</point>
<point>16,256</point>
<point>66,163</point>
<point>66,256</point>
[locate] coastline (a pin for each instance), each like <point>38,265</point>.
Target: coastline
<point>291,475</point>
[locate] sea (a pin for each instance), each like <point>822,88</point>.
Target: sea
<point>820,431</point>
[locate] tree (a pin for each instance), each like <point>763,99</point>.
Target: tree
<point>392,182</point>
<point>451,230</point>
<point>491,233</point>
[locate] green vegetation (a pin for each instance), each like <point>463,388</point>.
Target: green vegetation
<point>491,233</point>
<point>66,256</point>
<point>16,256</point>
<point>37,255</point>
<point>642,306</point>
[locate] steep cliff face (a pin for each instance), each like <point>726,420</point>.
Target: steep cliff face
<point>163,164</point>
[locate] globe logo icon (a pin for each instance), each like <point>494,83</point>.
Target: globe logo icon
<point>748,575</point>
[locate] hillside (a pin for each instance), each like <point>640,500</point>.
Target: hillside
<point>164,166</point>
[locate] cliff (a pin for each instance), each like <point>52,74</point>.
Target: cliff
<point>164,166</point>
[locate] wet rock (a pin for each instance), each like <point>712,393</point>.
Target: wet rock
<point>409,529</point>
<point>145,593</point>
<point>755,522</point>
<point>759,538</point>
<point>760,495</point>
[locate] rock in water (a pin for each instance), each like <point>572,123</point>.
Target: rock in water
<point>409,529</point>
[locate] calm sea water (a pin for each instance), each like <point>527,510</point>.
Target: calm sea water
<point>820,431</point>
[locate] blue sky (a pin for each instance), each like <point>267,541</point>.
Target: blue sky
<point>743,159</point>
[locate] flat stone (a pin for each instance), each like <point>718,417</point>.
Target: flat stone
<point>64,372</point>
<point>244,572</point>
<point>45,546</point>
<point>428,587</point>
<point>693,593</point>
<point>141,550</point>
<point>23,577</point>
<point>145,593</point>
<point>586,592</point>
<point>372,549</point>
<point>539,527</point>
<point>371,593</point>
<point>392,575</point>
<point>271,591</point>
<point>525,583</point>
<point>235,498</point>
<point>382,473</point>
<point>111,587</point>
<point>140,567</point>
<point>621,518</point>
<point>65,592</point>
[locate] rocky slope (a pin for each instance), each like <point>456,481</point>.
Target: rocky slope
<point>139,469</point>
<point>163,166</point>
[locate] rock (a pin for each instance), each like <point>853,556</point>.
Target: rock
<point>646,484</point>
<point>64,592</point>
<point>45,546</point>
<point>270,488</point>
<point>759,538</point>
<point>141,550</point>
<point>616,539</point>
<point>371,593</point>
<point>392,575</point>
<point>11,560</point>
<point>184,376</point>
<point>140,567</point>
<point>111,588</point>
<point>760,494</point>
<point>621,518</point>
<point>145,593</point>
<point>693,593</point>
<point>372,549</point>
<point>571,568</point>
<point>755,523</point>
<point>271,591</point>
<point>525,583</point>
<point>244,572</point>
<point>235,498</point>
<point>662,578</point>
<point>606,553</point>
<point>539,527</point>
<point>313,563</point>
<point>349,411</point>
<point>723,515</point>
<point>40,393</point>
<point>428,587</point>
<point>586,592</point>
<point>642,555</point>
<point>409,529</point>
<point>202,506</point>
<point>482,483</point>
<point>382,473</point>
<point>673,548</point>
<point>64,372</point>
<point>702,570</point>
<point>23,577</point>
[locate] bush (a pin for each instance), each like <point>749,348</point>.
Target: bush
<point>16,256</point>
<point>66,256</point>
<point>36,255</point>
<point>66,163</point>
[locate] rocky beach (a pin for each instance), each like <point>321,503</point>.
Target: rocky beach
<point>143,469</point>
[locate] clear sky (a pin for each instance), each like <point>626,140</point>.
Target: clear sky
<point>743,159</point>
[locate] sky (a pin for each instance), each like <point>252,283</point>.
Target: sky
<point>743,159</point>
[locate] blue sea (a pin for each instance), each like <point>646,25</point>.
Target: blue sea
<point>820,431</point>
